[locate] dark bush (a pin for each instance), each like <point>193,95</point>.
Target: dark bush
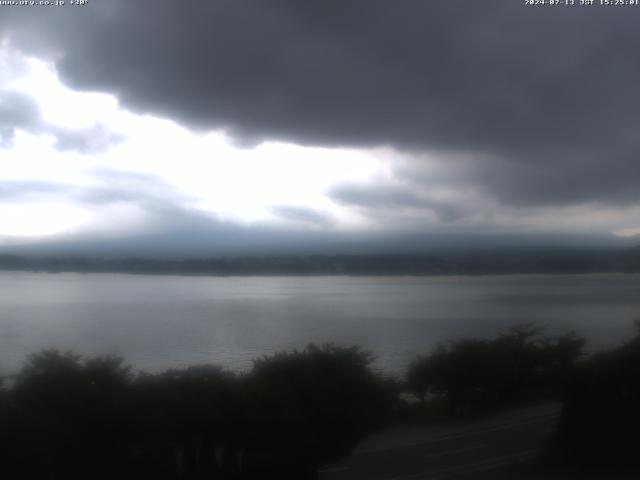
<point>601,419</point>
<point>479,373</point>
<point>65,418</point>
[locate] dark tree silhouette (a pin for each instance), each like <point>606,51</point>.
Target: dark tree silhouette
<point>65,417</point>
<point>68,418</point>
<point>312,406</point>
<point>477,373</point>
<point>600,419</point>
<point>185,421</point>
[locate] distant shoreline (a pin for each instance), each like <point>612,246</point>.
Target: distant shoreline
<point>312,274</point>
<point>391,265</point>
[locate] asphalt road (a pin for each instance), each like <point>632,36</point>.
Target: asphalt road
<point>496,449</point>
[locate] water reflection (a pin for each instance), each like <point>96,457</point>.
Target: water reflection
<point>160,322</point>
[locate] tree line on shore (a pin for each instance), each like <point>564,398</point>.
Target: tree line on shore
<point>482,262</point>
<point>64,417</point>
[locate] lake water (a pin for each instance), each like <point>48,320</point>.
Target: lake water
<point>158,322</point>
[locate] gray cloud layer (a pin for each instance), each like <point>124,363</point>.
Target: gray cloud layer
<point>302,215</point>
<point>108,187</point>
<point>396,199</point>
<point>542,102</point>
<point>19,111</point>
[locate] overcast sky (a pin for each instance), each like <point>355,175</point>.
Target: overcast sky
<point>231,120</point>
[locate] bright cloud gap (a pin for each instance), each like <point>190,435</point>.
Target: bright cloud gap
<point>157,170</point>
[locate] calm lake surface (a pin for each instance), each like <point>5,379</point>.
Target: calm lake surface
<point>157,322</point>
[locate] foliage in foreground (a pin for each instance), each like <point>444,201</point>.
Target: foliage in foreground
<point>601,416</point>
<point>476,373</point>
<point>64,418</point>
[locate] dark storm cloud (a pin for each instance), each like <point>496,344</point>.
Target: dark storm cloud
<point>302,215</point>
<point>543,100</point>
